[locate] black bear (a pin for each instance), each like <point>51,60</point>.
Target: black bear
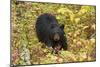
<point>50,32</point>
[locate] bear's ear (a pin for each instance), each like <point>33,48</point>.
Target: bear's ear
<point>62,26</point>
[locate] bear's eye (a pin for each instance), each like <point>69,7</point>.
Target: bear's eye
<point>52,26</point>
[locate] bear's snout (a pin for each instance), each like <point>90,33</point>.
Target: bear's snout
<point>56,37</point>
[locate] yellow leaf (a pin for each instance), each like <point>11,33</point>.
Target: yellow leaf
<point>77,20</point>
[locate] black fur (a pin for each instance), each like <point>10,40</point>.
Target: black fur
<point>50,32</point>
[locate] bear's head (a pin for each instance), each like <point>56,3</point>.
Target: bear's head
<point>57,32</point>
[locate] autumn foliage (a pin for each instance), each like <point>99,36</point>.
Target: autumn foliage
<point>80,30</point>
